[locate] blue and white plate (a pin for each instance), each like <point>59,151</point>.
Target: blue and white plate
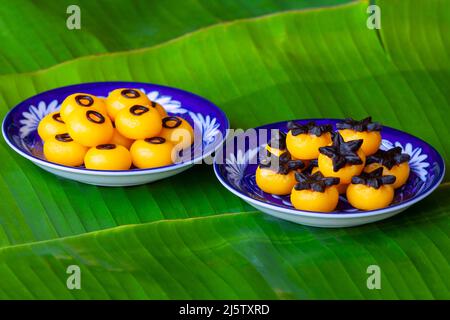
<point>234,165</point>
<point>210,123</point>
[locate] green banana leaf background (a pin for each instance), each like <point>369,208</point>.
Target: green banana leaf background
<point>261,61</point>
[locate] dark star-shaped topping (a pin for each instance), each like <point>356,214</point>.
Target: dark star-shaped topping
<point>285,163</point>
<point>374,179</point>
<point>316,182</point>
<point>389,158</point>
<point>278,141</point>
<point>342,152</point>
<point>362,125</point>
<point>309,128</point>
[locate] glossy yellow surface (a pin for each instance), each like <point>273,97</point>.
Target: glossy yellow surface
<point>69,105</point>
<point>306,146</point>
<point>275,183</point>
<point>149,155</point>
<point>139,126</point>
<point>65,153</point>
<point>371,139</point>
<point>400,171</point>
<point>310,200</point>
<point>346,173</point>
<point>89,133</point>
<point>119,139</point>
<point>181,136</point>
<point>117,101</point>
<point>117,158</point>
<point>49,127</point>
<point>367,198</point>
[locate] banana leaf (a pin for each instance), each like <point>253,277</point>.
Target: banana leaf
<point>35,34</point>
<point>186,236</point>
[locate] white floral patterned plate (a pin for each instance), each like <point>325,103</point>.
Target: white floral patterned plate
<point>235,167</point>
<point>210,125</point>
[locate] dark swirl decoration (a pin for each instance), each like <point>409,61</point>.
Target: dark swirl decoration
<point>130,93</point>
<point>138,110</point>
<point>63,137</point>
<point>57,117</point>
<point>95,117</point>
<point>106,146</point>
<point>155,140</point>
<point>84,100</point>
<point>171,122</point>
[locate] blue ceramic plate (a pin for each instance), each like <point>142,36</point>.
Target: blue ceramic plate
<point>20,130</point>
<point>234,167</point>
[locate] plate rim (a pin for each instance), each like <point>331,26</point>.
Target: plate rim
<point>130,172</point>
<point>330,215</point>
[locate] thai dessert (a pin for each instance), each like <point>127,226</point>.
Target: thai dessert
<point>393,162</point>
<point>124,131</point>
<point>304,141</point>
<point>276,175</point>
<point>364,129</point>
<point>108,157</point>
<point>371,190</point>
<point>314,192</point>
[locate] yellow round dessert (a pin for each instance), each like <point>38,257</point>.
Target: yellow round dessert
<point>311,200</point>
<point>61,149</point>
<point>124,98</point>
<point>306,146</point>
<point>152,153</point>
<point>314,192</point>
<point>119,139</point>
<point>400,171</point>
<point>346,173</point>
<point>178,131</point>
<point>51,125</point>
<point>270,181</point>
<point>342,159</point>
<point>89,127</point>
<point>304,140</point>
<point>371,191</point>
<point>367,198</point>
<point>108,157</point>
<point>393,161</point>
<point>365,130</point>
<point>81,101</point>
<point>371,139</point>
<point>139,122</point>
